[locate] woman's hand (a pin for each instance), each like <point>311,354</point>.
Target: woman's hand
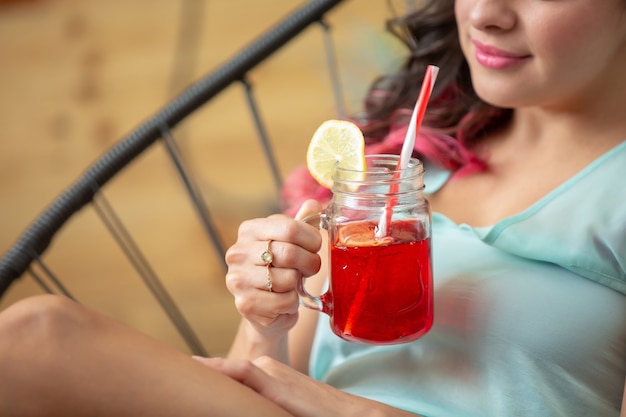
<point>270,314</point>
<point>299,394</point>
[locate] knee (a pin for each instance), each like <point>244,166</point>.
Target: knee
<point>39,319</point>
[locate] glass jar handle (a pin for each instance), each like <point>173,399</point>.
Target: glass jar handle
<point>313,302</point>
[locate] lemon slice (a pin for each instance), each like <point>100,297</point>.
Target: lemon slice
<point>335,142</point>
<point>360,234</point>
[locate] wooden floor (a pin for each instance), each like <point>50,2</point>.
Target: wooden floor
<point>78,75</point>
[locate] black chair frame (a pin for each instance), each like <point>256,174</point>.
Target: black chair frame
<point>36,239</point>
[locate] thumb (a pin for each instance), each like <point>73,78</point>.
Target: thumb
<point>308,208</point>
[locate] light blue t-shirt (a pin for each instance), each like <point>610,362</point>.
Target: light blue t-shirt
<point>530,314</point>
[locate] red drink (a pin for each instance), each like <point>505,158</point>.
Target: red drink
<point>380,288</point>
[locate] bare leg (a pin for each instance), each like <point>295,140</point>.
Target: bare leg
<point>60,358</point>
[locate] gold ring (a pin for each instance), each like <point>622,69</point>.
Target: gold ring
<point>268,279</point>
<point>268,257</point>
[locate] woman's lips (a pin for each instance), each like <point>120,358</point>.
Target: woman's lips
<point>495,58</point>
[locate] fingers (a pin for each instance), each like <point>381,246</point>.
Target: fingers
<point>292,390</point>
<point>258,374</point>
<point>308,208</point>
<point>266,307</point>
<point>293,246</point>
<point>240,370</point>
<point>242,278</point>
<point>281,228</point>
<point>288,255</point>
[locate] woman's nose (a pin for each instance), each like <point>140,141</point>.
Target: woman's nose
<point>493,15</point>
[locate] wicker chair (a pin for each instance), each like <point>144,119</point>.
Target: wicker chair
<point>29,255</point>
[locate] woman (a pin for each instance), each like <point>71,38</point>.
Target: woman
<point>529,248</point>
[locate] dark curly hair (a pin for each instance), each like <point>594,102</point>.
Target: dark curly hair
<point>431,37</point>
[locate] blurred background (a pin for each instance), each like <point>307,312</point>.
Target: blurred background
<point>76,76</point>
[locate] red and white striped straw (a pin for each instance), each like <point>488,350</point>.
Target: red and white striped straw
<point>418,115</point>
<point>409,143</point>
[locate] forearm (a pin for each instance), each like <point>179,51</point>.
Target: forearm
<point>333,402</point>
<point>250,344</point>
<point>300,395</point>
<point>369,408</point>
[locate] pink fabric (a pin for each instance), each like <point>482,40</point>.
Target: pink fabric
<point>298,187</point>
<point>440,149</point>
